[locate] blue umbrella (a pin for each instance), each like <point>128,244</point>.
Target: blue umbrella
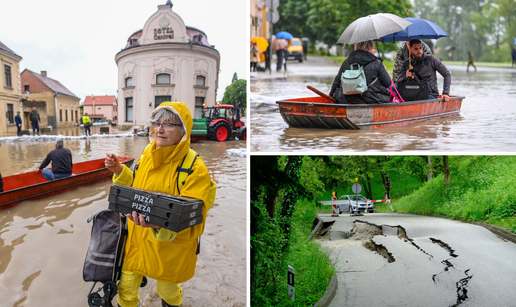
<point>419,29</point>
<point>284,35</point>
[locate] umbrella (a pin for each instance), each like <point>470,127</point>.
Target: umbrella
<point>419,29</point>
<point>279,43</point>
<point>284,35</point>
<point>261,43</point>
<point>372,27</point>
<point>305,39</point>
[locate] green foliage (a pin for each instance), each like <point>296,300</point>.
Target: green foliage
<point>236,94</point>
<point>312,270</point>
<point>481,189</point>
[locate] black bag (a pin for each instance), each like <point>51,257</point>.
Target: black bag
<point>414,89</point>
<point>104,257</point>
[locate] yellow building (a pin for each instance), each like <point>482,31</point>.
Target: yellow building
<point>57,106</point>
<point>10,89</point>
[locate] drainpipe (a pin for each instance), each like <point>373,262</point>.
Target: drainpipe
<point>55,111</point>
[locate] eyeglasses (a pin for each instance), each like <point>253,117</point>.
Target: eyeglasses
<point>165,126</point>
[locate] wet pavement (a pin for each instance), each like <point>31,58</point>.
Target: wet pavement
<point>43,242</point>
<point>386,259</point>
<point>487,115</point>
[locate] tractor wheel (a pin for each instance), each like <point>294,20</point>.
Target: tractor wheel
<point>242,135</point>
<point>221,131</point>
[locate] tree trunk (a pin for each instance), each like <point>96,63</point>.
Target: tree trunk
<point>446,171</point>
<point>429,168</point>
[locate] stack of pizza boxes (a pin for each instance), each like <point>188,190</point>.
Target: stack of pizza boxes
<point>171,212</point>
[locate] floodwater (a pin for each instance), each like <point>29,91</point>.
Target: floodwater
<point>43,242</point>
<point>485,124</point>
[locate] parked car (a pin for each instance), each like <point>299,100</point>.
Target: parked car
<point>295,50</point>
<point>356,203</point>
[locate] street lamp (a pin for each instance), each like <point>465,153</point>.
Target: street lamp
<point>459,12</point>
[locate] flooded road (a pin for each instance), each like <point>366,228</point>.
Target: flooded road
<point>43,243</point>
<point>485,123</point>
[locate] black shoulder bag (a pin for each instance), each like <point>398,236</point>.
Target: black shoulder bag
<point>414,89</point>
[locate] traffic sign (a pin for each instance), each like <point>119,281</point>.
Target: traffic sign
<point>356,188</point>
<point>275,16</point>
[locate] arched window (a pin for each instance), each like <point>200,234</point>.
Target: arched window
<point>163,79</point>
<point>129,82</point>
<point>201,81</point>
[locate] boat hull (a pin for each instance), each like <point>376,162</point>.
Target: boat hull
<point>316,112</point>
<point>32,185</point>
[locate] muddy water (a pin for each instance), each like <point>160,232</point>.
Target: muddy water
<point>43,242</point>
<point>485,124</point>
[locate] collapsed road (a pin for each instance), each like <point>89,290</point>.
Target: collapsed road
<point>387,259</point>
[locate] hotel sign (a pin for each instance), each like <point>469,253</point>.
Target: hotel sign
<point>163,33</point>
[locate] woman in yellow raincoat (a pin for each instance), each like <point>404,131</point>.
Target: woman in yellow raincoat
<point>161,254</point>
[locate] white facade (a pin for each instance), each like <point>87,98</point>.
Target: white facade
<point>165,61</point>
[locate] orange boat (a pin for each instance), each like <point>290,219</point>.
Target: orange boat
<point>321,112</point>
<point>32,185</point>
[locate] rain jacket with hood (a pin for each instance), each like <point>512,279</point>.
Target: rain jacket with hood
<point>164,255</point>
<point>376,92</point>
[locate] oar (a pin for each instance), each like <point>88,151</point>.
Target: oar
<point>318,92</point>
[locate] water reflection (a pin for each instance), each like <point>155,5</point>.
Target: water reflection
<point>43,242</point>
<point>486,115</point>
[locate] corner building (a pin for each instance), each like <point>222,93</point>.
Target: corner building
<point>165,61</point>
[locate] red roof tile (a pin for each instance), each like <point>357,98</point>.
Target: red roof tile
<point>100,100</point>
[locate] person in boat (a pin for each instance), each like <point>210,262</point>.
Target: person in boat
<point>424,67</point>
<point>403,54</point>
<point>151,251</point>
<point>61,159</point>
<point>377,78</point>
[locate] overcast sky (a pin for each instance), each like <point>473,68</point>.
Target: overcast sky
<point>76,41</point>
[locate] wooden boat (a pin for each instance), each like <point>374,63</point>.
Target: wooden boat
<point>320,112</point>
<point>32,185</point>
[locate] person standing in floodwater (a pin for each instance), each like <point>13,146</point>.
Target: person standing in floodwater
<point>35,120</point>
<point>513,54</point>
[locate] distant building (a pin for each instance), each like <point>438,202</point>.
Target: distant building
<point>101,107</point>
<point>165,61</point>
<point>10,89</point>
<point>57,106</point>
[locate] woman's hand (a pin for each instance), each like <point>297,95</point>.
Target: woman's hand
<point>140,220</point>
<point>113,164</point>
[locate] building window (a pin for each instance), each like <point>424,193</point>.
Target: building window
<point>160,99</point>
<point>10,113</point>
<point>163,79</point>
<point>199,106</point>
<point>7,75</point>
<point>128,82</point>
<point>129,109</point>
<point>60,115</point>
<point>27,88</point>
<point>66,115</point>
<point>201,81</point>
<point>71,115</point>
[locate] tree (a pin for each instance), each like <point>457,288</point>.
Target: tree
<point>235,77</point>
<point>236,94</point>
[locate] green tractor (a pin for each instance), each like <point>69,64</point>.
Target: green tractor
<point>223,122</point>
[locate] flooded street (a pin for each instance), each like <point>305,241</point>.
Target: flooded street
<point>485,123</point>
<point>43,243</point>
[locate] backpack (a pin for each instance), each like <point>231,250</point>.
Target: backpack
<point>353,81</point>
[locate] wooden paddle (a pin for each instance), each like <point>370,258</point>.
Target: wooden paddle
<point>313,89</point>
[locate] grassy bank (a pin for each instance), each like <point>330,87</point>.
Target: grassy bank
<point>312,269</point>
<point>481,189</point>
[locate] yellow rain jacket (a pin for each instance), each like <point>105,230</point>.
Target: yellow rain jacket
<point>164,255</point>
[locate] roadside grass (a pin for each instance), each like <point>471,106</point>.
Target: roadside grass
<point>313,271</point>
<point>482,189</point>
